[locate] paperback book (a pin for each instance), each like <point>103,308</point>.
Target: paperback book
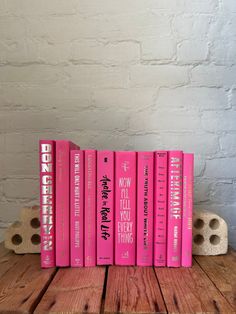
<point>77,208</point>
<point>105,207</point>
<point>63,149</point>
<point>160,208</point>
<point>90,161</point>
<point>175,194</point>
<point>125,208</point>
<point>145,208</point>
<point>188,160</point>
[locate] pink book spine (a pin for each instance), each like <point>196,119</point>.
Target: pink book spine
<point>125,208</point>
<point>90,208</point>
<point>188,168</point>
<point>145,208</point>
<point>63,202</point>
<point>175,195</point>
<point>160,208</point>
<point>47,202</point>
<point>77,208</point>
<point>105,207</point>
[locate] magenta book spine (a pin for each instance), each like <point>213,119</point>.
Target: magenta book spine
<point>188,169</point>
<point>145,208</point>
<point>175,195</point>
<point>105,207</point>
<point>77,208</point>
<point>47,202</point>
<point>90,208</point>
<point>63,202</point>
<point>125,208</point>
<point>160,208</point>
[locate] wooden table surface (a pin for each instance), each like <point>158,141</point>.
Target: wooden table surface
<point>208,287</point>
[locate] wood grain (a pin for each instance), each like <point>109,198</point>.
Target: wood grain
<point>23,285</point>
<point>189,290</point>
<point>133,290</point>
<point>209,286</point>
<point>3,250</point>
<point>8,259</point>
<point>74,290</point>
<point>222,271</point>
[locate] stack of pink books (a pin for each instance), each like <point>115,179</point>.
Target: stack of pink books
<point>115,208</point>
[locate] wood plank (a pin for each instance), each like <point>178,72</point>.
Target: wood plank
<point>189,290</point>
<point>222,271</point>
<point>74,290</point>
<point>23,285</point>
<point>8,259</point>
<point>133,290</point>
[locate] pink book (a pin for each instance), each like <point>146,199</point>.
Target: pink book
<point>105,207</point>
<point>160,208</point>
<point>63,202</point>
<point>145,208</point>
<point>175,195</point>
<point>188,161</point>
<point>90,208</point>
<point>125,208</point>
<point>47,202</point>
<point>76,208</point>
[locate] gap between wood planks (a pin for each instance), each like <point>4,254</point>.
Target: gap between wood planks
<point>104,291</point>
<point>221,270</point>
<point>22,282</point>
<point>44,290</point>
<point>207,287</point>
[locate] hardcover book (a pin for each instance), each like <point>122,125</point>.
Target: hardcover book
<point>76,208</point>
<point>125,208</point>
<point>47,202</point>
<point>105,207</point>
<point>63,202</point>
<point>90,208</point>
<point>188,168</point>
<point>160,208</point>
<point>145,208</point>
<point>175,195</point>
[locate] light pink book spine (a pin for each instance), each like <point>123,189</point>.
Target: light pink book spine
<point>77,208</point>
<point>105,207</point>
<point>63,202</point>
<point>175,195</point>
<point>47,202</point>
<point>145,162</point>
<point>160,208</point>
<point>188,168</point>
<point>90,208</point>
<point>125,208</point>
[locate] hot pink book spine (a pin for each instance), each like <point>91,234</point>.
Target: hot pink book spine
<point>77,208</point>
<point>175,195</point>
<point>47,202</point>
<point>105,207</point>
<point>145,163</point>
<point>160,208</point>
<point>90,208</point>
<point>125,208</point>
<point>188,168</point>
<point>63,202</point>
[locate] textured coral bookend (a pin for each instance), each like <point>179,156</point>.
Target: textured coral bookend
<point>23,236</point>
<point>210,234</point>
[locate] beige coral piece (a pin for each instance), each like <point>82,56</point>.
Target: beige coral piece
<point>210,234</point>
<point>24,236</point>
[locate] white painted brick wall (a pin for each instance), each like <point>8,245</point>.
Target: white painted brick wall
<point>127,74</point>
